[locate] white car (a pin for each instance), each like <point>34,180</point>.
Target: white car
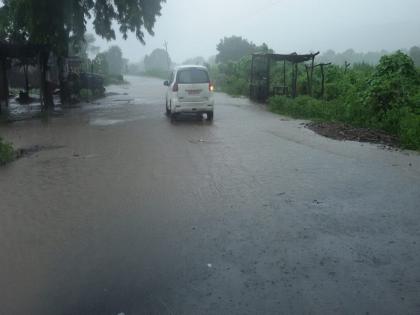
<point>189,91</point>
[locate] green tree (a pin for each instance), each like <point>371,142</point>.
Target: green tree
<point>415,55</point>
<point>57,24</point>
<point>101,65</point>
<point>159,60</point>
<point>195,61</point>
<point>115,61</point>
<point>7,154</point>
<point>85,48</point>
<point>392,87</point>
<point>234,48</point>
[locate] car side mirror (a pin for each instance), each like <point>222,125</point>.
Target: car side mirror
<point>166,83</point>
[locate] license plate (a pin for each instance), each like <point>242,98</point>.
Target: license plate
<point>193,92</point>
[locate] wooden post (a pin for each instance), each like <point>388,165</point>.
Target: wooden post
<point>312,75</point>
<point>268,78</point>
<point>309,80</point>
<point>46,96</point>
<point>5,81</point>
<point>322,67</point>
<point>284,77</point>
<point>2,89</point>
<point>294,79</point>
<point>41,81</point>
<point>25,70</point>
<point>322,81</point>
<point>251,84</point>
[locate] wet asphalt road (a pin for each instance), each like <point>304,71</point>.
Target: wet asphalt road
<point>124,212</point>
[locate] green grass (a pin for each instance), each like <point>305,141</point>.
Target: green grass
<point>114,80</point>
<point>401,122</point>
<point>7,154</point>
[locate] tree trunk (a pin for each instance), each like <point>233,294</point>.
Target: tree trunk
<point>251,85</point>
<point>322,81</point>
<point>294,80</point>
<point>5,87</point>
<point>25,70</point>
<point>309,80</point>
<point>268,78</point>
<point>312,75</point>
<point>46,91</point>
<point>284,78</point>
<point>64,95</point>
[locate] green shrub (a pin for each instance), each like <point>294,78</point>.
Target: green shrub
<point>385,97</point>
<point>114,79</point>
<point>410,130</point>
<point>7,154</point>
<point>302,107</point>
<point>393,84</point>
<point>232,77</point>
<point>86,94</point>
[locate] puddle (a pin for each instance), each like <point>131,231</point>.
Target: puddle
<point>18,112</point>
<point>124,100</point>
<point>202,141</point>
<point>25,152</point>
<point>106,122</point>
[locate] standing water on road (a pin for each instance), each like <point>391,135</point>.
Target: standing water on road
<point>186,157</point>
<point>128,216</point>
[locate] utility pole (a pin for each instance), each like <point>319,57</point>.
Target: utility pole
<point>167,55</point>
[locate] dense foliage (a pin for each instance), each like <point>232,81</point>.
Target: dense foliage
<point>157,64</point>
<point>232,69</point>
<point>195,61</point>
<point>352,57</point>
<point>57,23</point>
<point>115,60</point>
<point>7,153</point>
<point>232,77</point>
<point>385,96</point>
<point>60,24</point>
<point>158,60</point>
<point>234,48</point>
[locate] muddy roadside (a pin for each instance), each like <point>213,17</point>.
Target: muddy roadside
<point>345,132</point>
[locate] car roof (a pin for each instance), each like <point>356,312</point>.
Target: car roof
<point>190,67</point>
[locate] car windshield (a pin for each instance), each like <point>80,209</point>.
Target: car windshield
<point>190,76</point>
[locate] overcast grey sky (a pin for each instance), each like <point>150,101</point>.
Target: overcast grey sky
<point>194,27</point>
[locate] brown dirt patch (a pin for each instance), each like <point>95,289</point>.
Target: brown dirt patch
<point>340,131</point>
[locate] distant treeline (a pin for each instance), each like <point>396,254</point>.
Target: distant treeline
<point>371,58</point>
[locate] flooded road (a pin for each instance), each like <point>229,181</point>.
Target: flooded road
<point>125,212</point>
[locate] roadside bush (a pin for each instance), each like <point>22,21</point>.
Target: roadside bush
<point>393,84</point>
<point>233,77</point>
<point>301,107</point>
<point>385,97</point>
<point>409,132</point>
<point>114,79</point>
<point>7,154</point>
<point>86,94</point>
